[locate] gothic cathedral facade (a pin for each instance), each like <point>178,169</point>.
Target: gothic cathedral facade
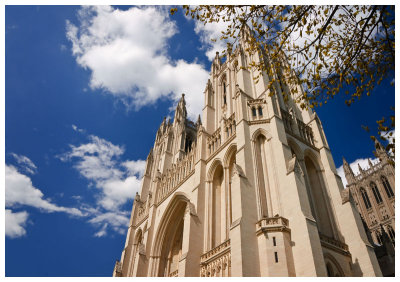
<point>250,191</point>
<point>374,196</point>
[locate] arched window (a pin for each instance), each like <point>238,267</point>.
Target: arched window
<point>379,237</point>
<point>260,113</point>
<point>216,228</point>
<point>253,110</point>
<point>319,205</point>
<point>365,198</point>
<point>377,195</point>
<point>262,178</point>
<point>390,232</point>
<point>386,184</point>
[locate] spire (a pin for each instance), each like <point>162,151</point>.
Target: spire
<point>370,163</point>
<point>360,169</point>
<point>380,151</point>
<point>198,123</point>
<point>216,63</point>
<point>378,146</point>
<point>180,112</point>
<point>346,167</point>
<point>348,172</point>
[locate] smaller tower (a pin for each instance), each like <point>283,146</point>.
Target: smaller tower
<point>348,172</point>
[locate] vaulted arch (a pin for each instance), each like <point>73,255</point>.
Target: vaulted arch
<point>229,161</point>
<point>318,197</point>
<point>210,174</point>
<point>260,140</point>
<point>332,266</point>
<point>168,241</point>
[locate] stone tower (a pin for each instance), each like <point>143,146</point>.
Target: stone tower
<point>251,191</point>
<point>373,192</point>
<point>371,189</point>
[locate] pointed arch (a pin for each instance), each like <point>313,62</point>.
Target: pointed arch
<point>261,131</point>
<point>167,232</point>
<point>333,267</point>
<point>229,161</point>
<point>232,149</point>
<point>376,192</point>
<point>318,194</point>
<point>260,140</point>
<point>216,162</point>
<point>388,188</point>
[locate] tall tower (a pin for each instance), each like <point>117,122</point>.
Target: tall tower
<point>374,197</point>
<point>250,191</point>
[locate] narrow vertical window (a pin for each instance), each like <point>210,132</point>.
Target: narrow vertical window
<point>376,193</point>
<point>253,110</point>
<point>224,99</point>
<point>276,256</point>
<point>365,198</point>
<point>260,113</point>
<point>388,189</point>
<point>224,87</point>
<point>379,237</point>
<point>274,241</point>
<point>390,232</point>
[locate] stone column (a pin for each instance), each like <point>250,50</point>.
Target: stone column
<point>306,246</point>
<point>185,242</point>
<point>207,216</point>
<point>244,261</point>
<point>224,213</point>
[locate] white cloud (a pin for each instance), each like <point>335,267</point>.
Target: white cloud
<point>15,223</point>
<point>118,221</point>
<point>96,159</point>
<point>354,166</point>
<point>135,167</point>
<point>126,53</point>
<point>25,163</point>
<point>212,31</point>
<point>389,135</point>
<point>102,232</point>
<point>116,181</point>
<point>20,191</point>
<point>77,129</point>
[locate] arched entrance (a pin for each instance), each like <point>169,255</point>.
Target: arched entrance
<point>167,249</point>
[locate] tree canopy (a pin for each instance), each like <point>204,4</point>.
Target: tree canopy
<point>327,49</point>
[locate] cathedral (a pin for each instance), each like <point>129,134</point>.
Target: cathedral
<point>371,190</point>
<point>373,194</point>
<point>251,189</point>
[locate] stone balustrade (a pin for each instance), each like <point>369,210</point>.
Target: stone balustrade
<point>230,126</point>
<point>214,141</point>
<point>333,244</point>
<point>369,171</point>
<point>305,132</point>
<point>287,121</point>
<point>273,224</point>
<point>176,175</point>
<point>217,261</point>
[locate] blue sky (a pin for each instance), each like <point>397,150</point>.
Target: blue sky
<point>86,89</point>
